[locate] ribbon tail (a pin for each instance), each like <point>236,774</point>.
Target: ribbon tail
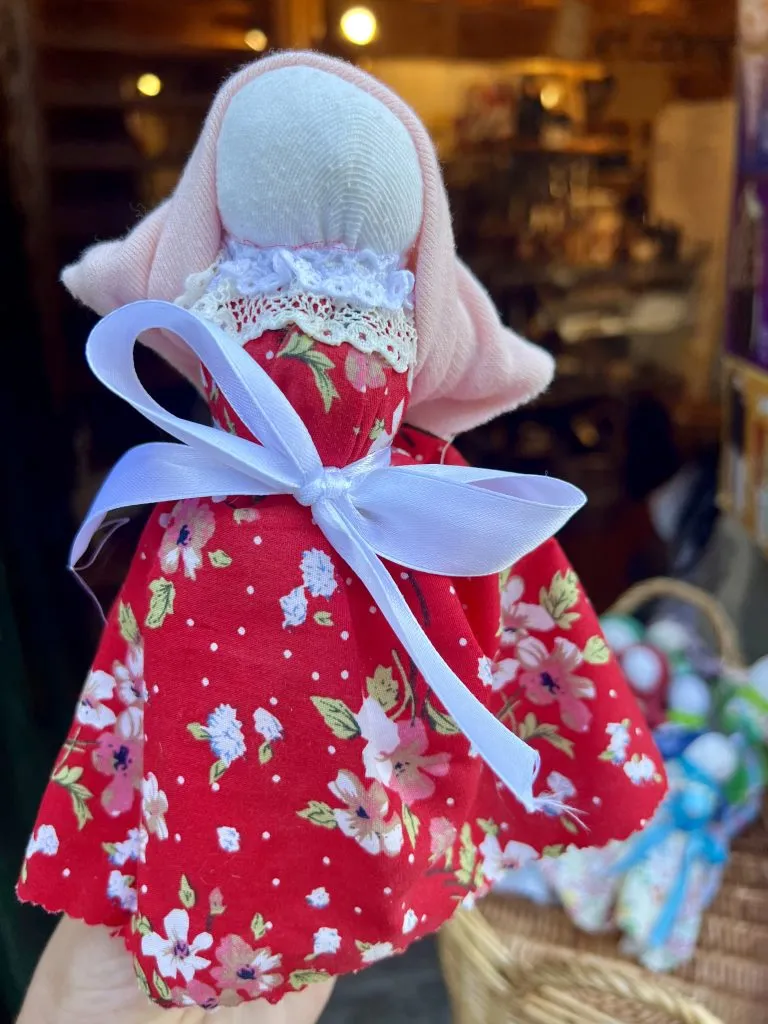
<point>510,758</point>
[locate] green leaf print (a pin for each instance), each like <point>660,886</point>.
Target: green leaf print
<point>299,979</point>
<point>298,345</point>
<point>562,595</point>
<point>556,850</point>
<point>217,770</point>
<point>302,347</point>
<point>439,721</point>
<point>569,825</point>
<point>67,778</point>
<point>596,651</point>
<point>412,824</point>
<point>488,826</point>
<point>160,986</point>
<point>161,602</point>
<point>258,927</point>
<point>186,893</point>
<point>323,618</point>
<point>219,559</point>
<point>532,729</point>
<point>140,925</point>
<point>337,717</point>
<point>129,627</point>
<point>141,978</point>
<point>467,856</point>
<point>265,753</point>
<point>197,730</point>
<point>383,687</point>
<point>245,515</point>
<point>319,814</point>
<point>377,430</point>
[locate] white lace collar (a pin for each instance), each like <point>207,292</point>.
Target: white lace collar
<point>334,295</point>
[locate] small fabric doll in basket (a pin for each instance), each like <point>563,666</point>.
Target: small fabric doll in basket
<point>278,770</point>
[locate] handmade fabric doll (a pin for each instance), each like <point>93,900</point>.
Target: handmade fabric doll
<point>262,788</point>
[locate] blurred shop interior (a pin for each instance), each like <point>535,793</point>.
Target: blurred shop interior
<point>589,151</point>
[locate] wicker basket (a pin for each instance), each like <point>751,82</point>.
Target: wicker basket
<point>511,962</point>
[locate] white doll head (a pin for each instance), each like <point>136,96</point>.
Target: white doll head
<point>304,158</point>
<point>714,755</point>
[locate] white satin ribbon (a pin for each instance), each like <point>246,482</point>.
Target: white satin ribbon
<point>444,520</point>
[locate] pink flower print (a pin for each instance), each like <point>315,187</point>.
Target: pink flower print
<point>518,618</point>
<point>364,818</point>
<point>197,993</point>
<point>188,528</point>
<point>396,753</point>
<point>442,836</point>
<point>121,758</point>
<point>549,677</point>
<point>364,371</point>
<point>247,970</point>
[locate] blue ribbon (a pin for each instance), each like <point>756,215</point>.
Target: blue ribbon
<point>701,844</point>
<point>444,520</point>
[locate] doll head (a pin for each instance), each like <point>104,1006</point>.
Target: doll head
<point>307,159</point>
<point>469,368</point>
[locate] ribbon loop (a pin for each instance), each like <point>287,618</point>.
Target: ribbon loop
<point>441,520</point>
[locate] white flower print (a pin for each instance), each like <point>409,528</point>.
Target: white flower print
<point>173,951</point>
<point>485,671</point>
<point>409,921</point>
<point>504,673</point>
<point>154,806</point>
<point>229,838</point>
<point>519,618</point>
<point>133,847</point>
<point>326,942</point>
<point>318,573</point>
<point>130,723</point>
<point>318,899</point>
<point>377,951</point>
<point>384,439</point>
<point>294,608</point>
<point>99,686</point>
<point>129,677</point>
<point>554,799</point>
<point>640,769</point>
<point>225,734</point>
<point>497,861</point>
<point>120,888</point>
<point>618,745</point>
<point>469,901</point>
<point>45,841</point>
<point>267,726</point>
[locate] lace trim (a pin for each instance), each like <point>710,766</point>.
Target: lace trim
<point>361,279</point>
<point>391,334</point>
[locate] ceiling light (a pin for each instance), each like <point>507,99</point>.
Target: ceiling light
<point>149,85</point>
<point>256,40</point>
<point>359,25</point>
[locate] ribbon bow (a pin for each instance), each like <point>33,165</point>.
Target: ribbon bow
<point>444,520</point>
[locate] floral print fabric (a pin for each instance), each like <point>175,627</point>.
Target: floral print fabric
<point>259,790</point>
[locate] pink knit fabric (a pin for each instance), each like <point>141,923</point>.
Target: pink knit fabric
<point>470,367</point>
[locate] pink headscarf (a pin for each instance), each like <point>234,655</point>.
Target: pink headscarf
<point>470,368</point>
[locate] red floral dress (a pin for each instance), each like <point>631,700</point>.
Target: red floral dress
<point>259,790</point>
